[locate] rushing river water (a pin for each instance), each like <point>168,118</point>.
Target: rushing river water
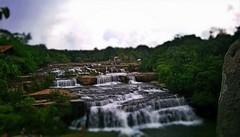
<point>130,108</point>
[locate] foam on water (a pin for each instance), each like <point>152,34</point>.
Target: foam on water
<point>153,90</point>
<point>134,82</point>
<point>107,84</point>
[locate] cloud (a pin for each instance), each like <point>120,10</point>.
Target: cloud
<point>230,7</point>
<point>235,11</point>
<point>86,24</point>
<point>237,19</point>
<point>109,34</point>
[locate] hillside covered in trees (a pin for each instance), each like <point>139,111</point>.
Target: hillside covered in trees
<point>188,65</point>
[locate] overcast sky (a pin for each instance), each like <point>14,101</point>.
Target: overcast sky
<point>86,24</point>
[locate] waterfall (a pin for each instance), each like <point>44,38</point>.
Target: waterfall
<point>134,107</point>
<point>132,80</point>
<point>114,78</point>
<point>111,78</point>
<point>145,114</point>
<point>107,78</point>
<point>65,83</point>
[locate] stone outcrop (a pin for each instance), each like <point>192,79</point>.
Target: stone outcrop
<point>87,80</point>
<point>229,100</point>
<point>43,97</point>
<point>145,77</point>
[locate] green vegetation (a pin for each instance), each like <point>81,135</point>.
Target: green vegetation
<point>17,111</point>
<point>84,133</point>
<point>18,114</point>
<point>192,67</point>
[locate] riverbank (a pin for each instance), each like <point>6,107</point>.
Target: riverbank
<point>207,129</point>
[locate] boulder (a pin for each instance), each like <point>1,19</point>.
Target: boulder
<point>123,79</point>
<point>87,80</point>
<point>229,99</point>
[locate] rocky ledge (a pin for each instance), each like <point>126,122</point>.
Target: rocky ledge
<point>145,77</point>
<point>87,80</point>
<point>124,78</point>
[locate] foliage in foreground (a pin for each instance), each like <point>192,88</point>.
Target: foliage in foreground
<point>18,114</point>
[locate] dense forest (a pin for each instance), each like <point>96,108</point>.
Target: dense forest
<point>188,65</point>
<point>192,67</point>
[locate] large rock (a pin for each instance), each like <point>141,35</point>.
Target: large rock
<point>229,100</point>
<point>87,80</point>
<point>145,77</point>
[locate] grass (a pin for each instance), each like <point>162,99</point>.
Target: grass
<point>89,134</point>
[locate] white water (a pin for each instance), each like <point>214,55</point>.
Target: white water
<point>107,78</point>
<point>129,108</point>
<point>113,79</point>
<point>66,83</point>
<point>132,80</point>
<point>107,84</point>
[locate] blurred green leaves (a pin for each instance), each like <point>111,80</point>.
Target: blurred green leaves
<point>4,12</point>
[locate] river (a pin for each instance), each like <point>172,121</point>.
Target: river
<point>135,109</point>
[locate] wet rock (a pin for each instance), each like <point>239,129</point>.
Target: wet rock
<point>229,100</point>
<point>123,79</point>
<point>156,83</point>
<point>87,80</point>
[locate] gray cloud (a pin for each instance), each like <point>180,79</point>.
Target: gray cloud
<point>86,24</point>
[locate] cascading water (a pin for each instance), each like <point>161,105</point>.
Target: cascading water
<point>106,78</point>
<point>132,80</point>
<point>114,78</point>
<point>65,83</point>
<point>133,106</point>
<point>111,78</point>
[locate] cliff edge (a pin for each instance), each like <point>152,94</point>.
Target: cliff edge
<point>229,99</point>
